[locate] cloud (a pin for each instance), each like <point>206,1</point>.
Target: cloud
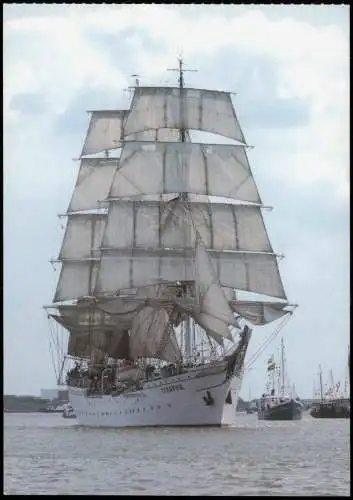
<point>58,62</point>
<point>74,119</point>
<point>28,103</point>
<point>308,90</point>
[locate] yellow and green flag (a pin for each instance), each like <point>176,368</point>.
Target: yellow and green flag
<point>271,365</point>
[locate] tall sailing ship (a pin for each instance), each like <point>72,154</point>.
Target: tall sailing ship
<point>160,241</point>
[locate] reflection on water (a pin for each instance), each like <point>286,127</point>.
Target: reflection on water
<point>46,454</point>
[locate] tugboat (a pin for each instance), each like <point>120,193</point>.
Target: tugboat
<point>281,406</point>
<point>68,412</point>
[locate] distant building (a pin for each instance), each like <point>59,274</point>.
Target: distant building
<point>63,396</point>
<point>54,394</point>
<point>49,394</point>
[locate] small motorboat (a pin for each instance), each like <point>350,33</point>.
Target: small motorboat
<point>68,412</point>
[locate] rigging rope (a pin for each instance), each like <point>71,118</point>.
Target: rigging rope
<point>56,345</point>
<point>267,341</point>
<point>51,342</point>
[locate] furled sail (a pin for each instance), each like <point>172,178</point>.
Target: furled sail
<point>208,169</point>
<point>127,305</point>
<point>84,344</point>
<point>91,328</point>
<point>175,108</point>
<point>151,336</point>
<point>215,315</point>
<point>160,135</point>
<point>84,316</point>
<point>209,307</point>
<point>121,307</point>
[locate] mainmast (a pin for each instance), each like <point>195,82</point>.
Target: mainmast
<point>189,339</point>
<point>181,82</point>
<point>181,86</point>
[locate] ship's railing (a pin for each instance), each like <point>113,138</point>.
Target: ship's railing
<point>107,379</point>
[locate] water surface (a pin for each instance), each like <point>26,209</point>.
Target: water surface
<point>48,455</point>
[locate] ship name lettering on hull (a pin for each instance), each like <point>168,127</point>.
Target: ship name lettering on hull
<point>172,388</point>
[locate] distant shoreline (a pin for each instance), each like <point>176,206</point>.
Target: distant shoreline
<point>23,411</point>
<point>27,404</point>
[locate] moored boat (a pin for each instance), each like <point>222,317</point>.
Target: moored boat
<point>283,405</point>
<point>271,408</point>
<point>336,408</point>
<point>331,405</point>
<point>68,412</point>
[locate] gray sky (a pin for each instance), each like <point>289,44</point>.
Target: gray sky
<point>290,69</point>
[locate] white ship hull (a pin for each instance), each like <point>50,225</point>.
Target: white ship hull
<point>181,400</point>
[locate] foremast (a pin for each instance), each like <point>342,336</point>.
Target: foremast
<point>90,330</point>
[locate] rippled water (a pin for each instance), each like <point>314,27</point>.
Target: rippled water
<point>45,454</point>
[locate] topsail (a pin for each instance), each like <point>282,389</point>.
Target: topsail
<point>154,108</point>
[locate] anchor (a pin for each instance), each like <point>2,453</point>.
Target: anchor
<point>209,401</point>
